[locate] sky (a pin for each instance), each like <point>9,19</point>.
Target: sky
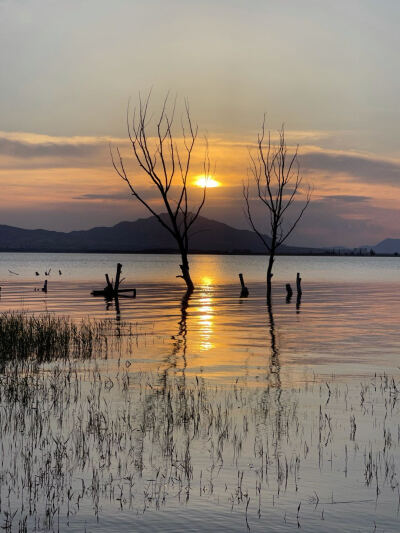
<point>328,71</point>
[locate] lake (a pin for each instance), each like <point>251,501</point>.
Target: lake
<point>217,269</point>
<point>210,412</point>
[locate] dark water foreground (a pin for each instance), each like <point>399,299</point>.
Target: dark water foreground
<point>85,450</point>
<point>207,414</point>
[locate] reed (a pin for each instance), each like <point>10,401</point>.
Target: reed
<point>75,437</point>
<point>46,337</point>
<point>79,437</point>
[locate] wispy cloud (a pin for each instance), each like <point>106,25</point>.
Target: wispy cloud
<point>109,196</point>
<point>364,167</point>
<point>347,198</point>
<point>20,149</point>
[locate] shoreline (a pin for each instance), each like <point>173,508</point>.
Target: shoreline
<point>193,252</point>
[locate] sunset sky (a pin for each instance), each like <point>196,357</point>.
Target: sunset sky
<point>328,70</point>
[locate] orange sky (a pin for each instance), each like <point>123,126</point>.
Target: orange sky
<point>47,177</point>
<point>328,70</point>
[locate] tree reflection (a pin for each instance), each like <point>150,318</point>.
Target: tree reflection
<point>274,365</point>
<point>179,347</point>
<point>298,302</point>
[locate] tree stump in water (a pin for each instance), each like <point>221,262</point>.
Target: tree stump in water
<point>245,291</point>
<point>298,283</point>
<point>111,291</point>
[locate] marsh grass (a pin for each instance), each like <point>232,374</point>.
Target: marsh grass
<point>82,444</point>
<point>75,440</point>
<point>47,337</point>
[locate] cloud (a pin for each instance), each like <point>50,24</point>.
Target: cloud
<point>347,198</point>
<point>339,222</point>
<point>150,194</point>
<point>20,150</point>
<point>24,150</point>
<point>30,150</point>
<point>366,168</point>
<point>110,196</point>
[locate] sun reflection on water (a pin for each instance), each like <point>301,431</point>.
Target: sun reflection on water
<point>206,314</point>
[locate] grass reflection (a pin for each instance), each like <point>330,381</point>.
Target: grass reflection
<point>121,447</point>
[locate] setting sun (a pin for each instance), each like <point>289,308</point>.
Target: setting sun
<point>206,181</point>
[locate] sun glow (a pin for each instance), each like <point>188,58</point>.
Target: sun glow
<point>206,181</point>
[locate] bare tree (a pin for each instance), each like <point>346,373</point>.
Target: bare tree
<point>166,161</point>
<point>276,175</point>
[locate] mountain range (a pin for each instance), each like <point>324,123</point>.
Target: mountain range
<point>142,235</point>
<point>146,235</point>
<point>387,246</point>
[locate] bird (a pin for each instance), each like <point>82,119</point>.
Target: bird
<point>59,271</point>
<point>37,273</point>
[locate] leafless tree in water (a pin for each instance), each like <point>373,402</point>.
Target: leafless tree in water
<point>166,161</point>
<point>275,172</point>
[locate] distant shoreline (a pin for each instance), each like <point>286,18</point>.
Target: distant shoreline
<point>317,253</point>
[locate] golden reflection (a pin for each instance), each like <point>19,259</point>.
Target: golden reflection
<point>206,281</point>
<point>206,316</point>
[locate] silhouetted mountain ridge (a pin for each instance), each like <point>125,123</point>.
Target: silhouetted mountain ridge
<point>387,246</point>
<point>142,235</point>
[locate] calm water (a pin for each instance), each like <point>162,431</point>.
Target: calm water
<point>345,325</point>
<point>218,415</point>
<point>214,269</point>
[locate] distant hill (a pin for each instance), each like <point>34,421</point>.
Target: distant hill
<point>387,246</point>
<point>142,235</point>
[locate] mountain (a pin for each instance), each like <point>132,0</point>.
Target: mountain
<point>142,235</point>
<point>387,246</point>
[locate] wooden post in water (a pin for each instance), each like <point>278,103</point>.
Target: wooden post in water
<point>299,292</point>
<point>298,284</point>
<point>245,291</point>
<point>117,277</point>
<point>109,284</point>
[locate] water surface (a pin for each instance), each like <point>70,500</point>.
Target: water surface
<point>217,412</point>
<point>218,269</point>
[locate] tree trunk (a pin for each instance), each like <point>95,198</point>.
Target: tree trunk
<point>269,275</point>
<point>271,260</point>
<point>185,271</point>
<point>117,277</point>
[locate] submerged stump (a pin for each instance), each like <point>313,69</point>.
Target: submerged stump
<point>298,284</point>
<point>245,291</point>
<point>111,291</point>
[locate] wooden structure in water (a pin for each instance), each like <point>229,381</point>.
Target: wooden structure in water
<point>245,291</point>
<point>298,284</point>
<point>112,290</point>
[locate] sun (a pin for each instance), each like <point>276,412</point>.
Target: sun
<point>206,181</point>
